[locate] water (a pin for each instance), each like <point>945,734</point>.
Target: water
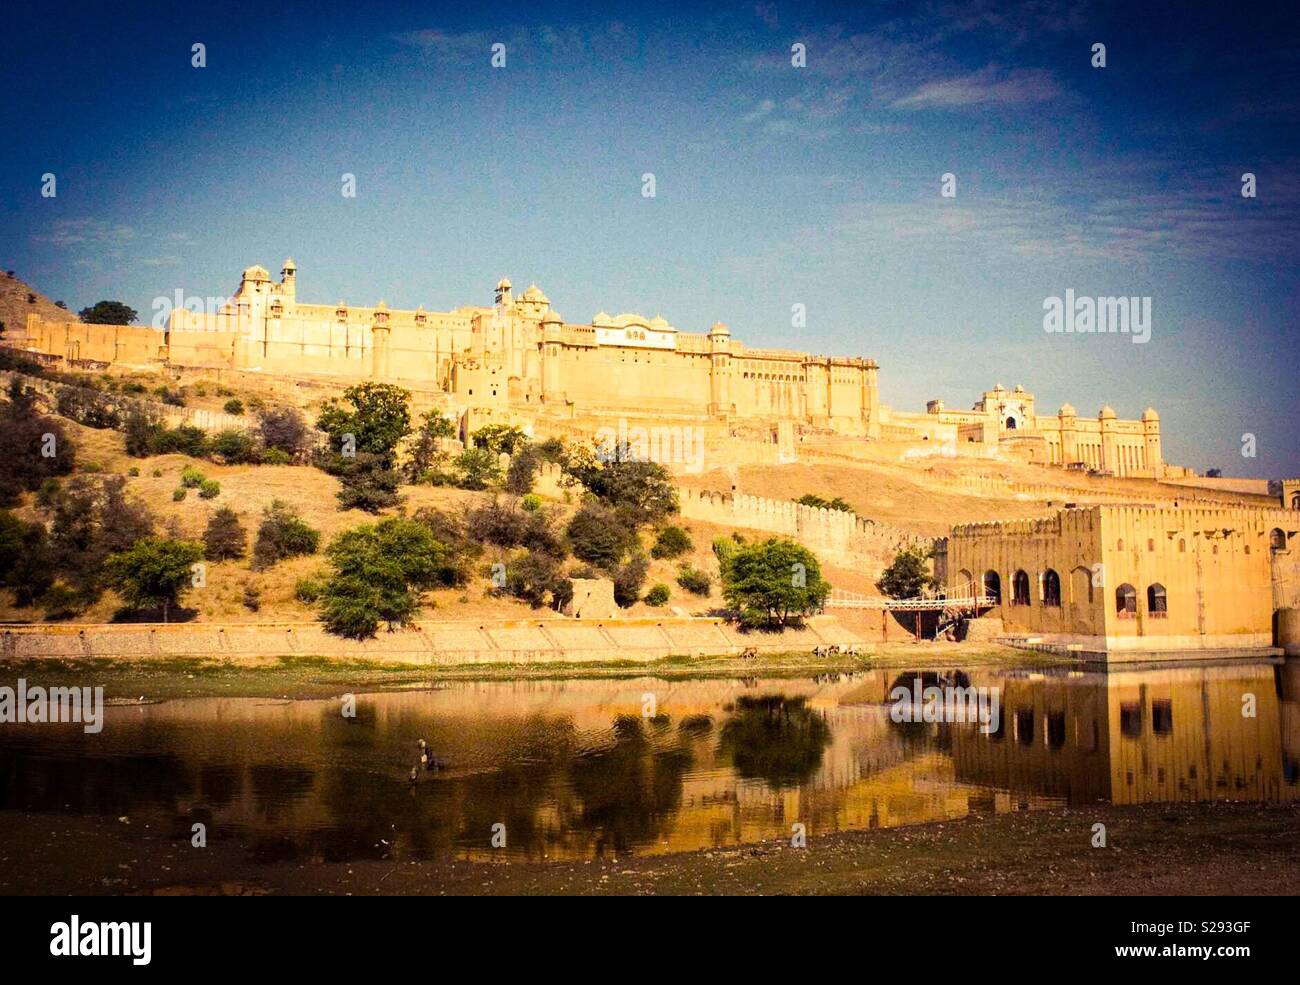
<point>575,769</point>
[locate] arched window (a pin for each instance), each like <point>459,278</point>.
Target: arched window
<point>1295,501</point>
<point>1020,588</point>
<point>1126,601</point>
<point>1051,588</point>
<point>1277,539</point>
<point>1011,423</point>
<point>993,586</point>
<point>1157,602</point>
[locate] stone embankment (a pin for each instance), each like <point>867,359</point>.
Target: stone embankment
<point>434,643</point>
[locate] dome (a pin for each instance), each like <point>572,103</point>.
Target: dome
<point>1107,413</point>
<point>551,318</point>
<point>1019,389</point>
<point>602,318</point>
<point>289,264</point>
<point>256,272</point>
<point>1067,410</point>
<point>1150,414</point>
<point>534,293</point>
<point>658,321</point>
<point>719,328</point>
<point>503,284</point>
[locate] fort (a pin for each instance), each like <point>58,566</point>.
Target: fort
<point>519,354</point>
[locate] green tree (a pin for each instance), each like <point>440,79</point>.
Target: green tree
<point>225,537</point>
<point>498,438</point>
<point>376,415</point>
<point>379,572</point>
<point>598,534</point>
<point>156,571</point>
<point>108,313</point>
<point>908,576</point>
<point>671,542</point>
<point>525,462</point>
<point>478,468</point>
<point>773,583</point>
<point>644,488</point>
<point>281,535</point>
<point>425,452</point>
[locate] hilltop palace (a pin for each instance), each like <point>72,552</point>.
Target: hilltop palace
<point>519,354</point>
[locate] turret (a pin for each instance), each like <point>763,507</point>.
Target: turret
<point>379,335</point>
<point>289,280</point>
<point>1151,440</point>
<point>719,369</point>
<point>1069,434</point>
<point>1109,453</point>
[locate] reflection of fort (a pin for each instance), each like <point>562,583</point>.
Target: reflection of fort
<point>1139,737</point>
<point>574,771</point>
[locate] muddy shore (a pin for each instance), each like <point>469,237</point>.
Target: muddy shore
<point>1165,849</point>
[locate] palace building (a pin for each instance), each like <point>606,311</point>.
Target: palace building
<point>518,353</point>
<point>1132,581</point>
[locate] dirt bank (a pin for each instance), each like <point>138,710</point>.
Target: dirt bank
<point>1163,849</point>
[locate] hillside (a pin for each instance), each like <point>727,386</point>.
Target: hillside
<point>15,305</point>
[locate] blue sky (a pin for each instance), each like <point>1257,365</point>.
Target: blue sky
<point>775,185</point>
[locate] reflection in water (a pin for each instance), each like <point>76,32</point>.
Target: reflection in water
<point>573,770</point>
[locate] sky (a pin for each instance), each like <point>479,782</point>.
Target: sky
<point>775,184</point>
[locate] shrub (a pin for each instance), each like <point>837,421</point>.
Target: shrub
<point>26,439</point>
<point>133,472</point>
<point>179,494</point>
<point>157,473</point>
<point>598,534</point>
<point>92,518</point>
<point>694,581</point>
<point>535,575</point>
<point>671,542</point>
<point>425,455</point>
<point>225,537</point>
<point>477,468</point>
<point>532,502</point>
<point>88,407</point>
<point>234,447</point>
<point>61,602</point>
<point>173,398</point>
<point>192,478</point>
<point>657,596</point>
<point>629,579</point>
<point>234,407</point>
<point>281,535</point>
<point>522,473</point>
<point>184,440</point>
<point>810,499</point>
<point>275,456</point>
<point>367,482</point>
<point>498,438</point>
<point>283,429</point>
<point>308,590</point>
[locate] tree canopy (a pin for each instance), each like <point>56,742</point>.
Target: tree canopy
<point>379,572</point>
<point>155,571</point>
<point>377,415</point>
<point>773,583</point>
<point>108,313</point>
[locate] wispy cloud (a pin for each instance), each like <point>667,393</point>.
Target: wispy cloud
<point>988,87</point>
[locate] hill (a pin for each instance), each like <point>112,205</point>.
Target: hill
<point>18,299</point>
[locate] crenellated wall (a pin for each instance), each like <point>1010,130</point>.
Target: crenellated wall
<point>834,531</point>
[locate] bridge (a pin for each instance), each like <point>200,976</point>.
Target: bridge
<point>963,600</point>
